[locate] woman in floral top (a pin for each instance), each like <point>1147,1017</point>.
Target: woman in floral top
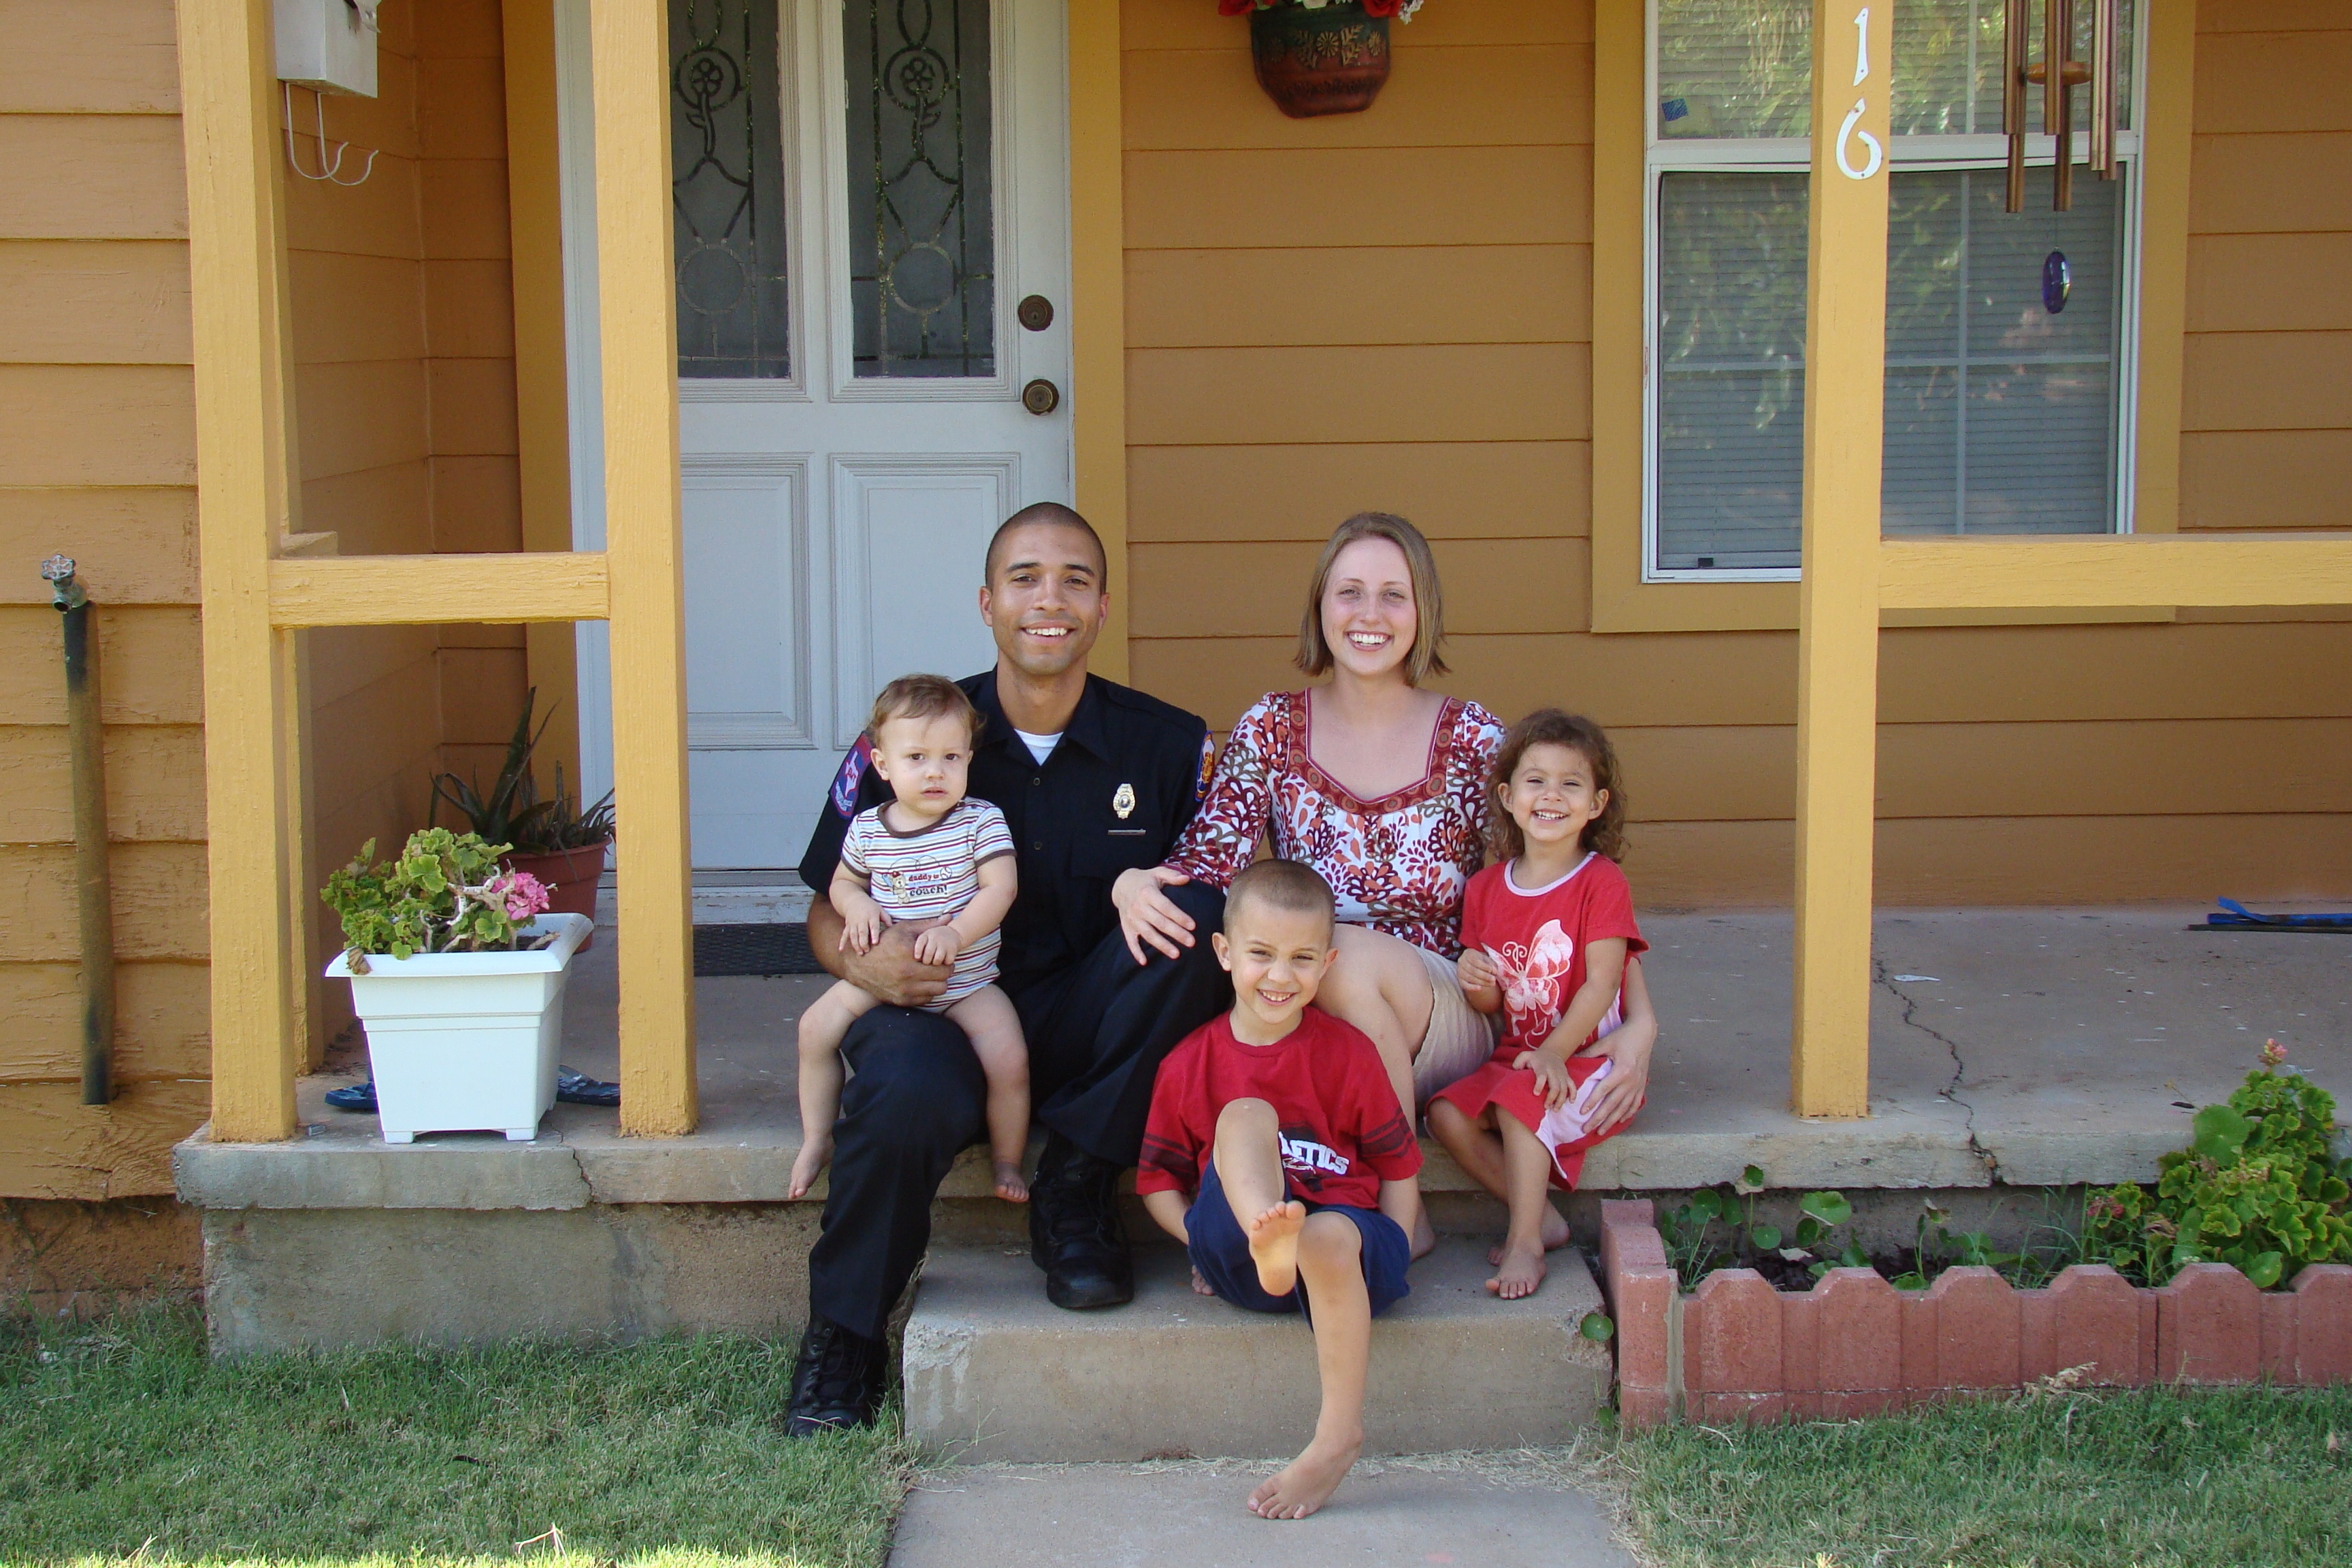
<point>1380,786</point>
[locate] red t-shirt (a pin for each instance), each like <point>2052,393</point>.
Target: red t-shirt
<point>1536,938</point>
<point>1342,1131</point>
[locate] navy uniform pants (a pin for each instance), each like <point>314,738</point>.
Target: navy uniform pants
<point>916,1099</point>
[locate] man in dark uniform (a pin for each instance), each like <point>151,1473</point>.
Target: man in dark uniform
<point>1093,778</point>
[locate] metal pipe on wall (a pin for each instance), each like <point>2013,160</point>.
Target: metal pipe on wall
<point>93,883</point>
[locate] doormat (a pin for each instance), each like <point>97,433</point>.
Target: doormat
<point>727,950</point>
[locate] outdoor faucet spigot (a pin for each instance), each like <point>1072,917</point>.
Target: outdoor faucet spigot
<point>64,592</point>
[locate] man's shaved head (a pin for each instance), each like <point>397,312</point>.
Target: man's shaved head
<point>1042,515</point>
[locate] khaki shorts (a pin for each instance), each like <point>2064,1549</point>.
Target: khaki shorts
<point>1459,1040</point>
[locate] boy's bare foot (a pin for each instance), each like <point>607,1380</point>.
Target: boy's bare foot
<point>815,1155</point>
<point>1307,1482</point>
<point>1274,1247</point>
<point>1009,1185</point>
<point>1555,1236</point>
<point>1517,1273</point>
<point>1200,1286</point>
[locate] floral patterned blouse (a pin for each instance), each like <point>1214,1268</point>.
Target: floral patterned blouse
<point>1399,864</point>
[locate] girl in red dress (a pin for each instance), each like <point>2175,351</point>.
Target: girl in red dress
<point>1546,933</point>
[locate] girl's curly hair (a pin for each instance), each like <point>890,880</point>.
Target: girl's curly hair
<point>1605,834</point>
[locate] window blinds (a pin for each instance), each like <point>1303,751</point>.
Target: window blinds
<point>1999,414</point>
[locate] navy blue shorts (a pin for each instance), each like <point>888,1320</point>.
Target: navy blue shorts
<point>1220,1250</point>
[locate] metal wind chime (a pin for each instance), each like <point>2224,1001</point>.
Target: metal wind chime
<point>2058,74</point>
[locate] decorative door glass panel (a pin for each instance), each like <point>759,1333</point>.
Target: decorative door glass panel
<point>923,234</point>
<point>2000,414</point>
<point>727,189</point>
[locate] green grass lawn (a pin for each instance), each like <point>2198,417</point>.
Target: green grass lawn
<point>126,1437</point>
<point>2144,1479</point>
<point>125,1441</point>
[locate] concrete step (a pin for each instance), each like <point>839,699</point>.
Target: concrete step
<point>994,1374</point>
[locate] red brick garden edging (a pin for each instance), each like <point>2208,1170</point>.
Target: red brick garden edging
<point>1737,1349</point>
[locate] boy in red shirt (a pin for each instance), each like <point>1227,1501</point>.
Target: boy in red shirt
<point>1280,1120</point>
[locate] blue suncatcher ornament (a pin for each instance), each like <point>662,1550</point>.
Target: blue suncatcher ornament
<point>2057,281</point>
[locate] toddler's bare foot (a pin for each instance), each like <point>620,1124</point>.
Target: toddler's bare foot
<point>1200,1286</point>
<point>1555,1235</point>
<point>1307,1482</point>
<point>1517,1273</point>
<point>1009,1185</point>
<point>1274,1247</point>
<point>815,1155</point>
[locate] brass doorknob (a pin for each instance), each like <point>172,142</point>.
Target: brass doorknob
<point>1041,397</point>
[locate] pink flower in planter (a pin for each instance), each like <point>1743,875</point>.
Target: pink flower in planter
<point>2273,1053</point>
<point>523,895</point>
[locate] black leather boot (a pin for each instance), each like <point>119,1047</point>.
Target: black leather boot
<point>1074,1234</point>
<point>836,1380</point>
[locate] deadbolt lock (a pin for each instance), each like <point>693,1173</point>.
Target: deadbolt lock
<point>1041,397</point>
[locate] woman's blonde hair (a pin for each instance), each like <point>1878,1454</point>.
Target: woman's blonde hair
<point>1424,661</point>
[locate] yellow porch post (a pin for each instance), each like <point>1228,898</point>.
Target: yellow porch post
<point>644,554</point>
<point>1837,643</point>
<point>236,263</point>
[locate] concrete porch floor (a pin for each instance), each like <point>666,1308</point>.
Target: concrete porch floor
<point>2012,1050</point>
<point>2008,1046</point>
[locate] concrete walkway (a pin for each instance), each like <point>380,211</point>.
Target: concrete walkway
<point>1492,1510</point>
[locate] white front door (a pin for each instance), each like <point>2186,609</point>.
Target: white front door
<point>872,219</point>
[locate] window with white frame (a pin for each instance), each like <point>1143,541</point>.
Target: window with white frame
<point>2009,335</point>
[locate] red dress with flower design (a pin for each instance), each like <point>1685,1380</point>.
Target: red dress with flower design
<point>1398,864</point>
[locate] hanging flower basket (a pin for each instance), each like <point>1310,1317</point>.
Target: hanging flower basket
<point>1321,56</point>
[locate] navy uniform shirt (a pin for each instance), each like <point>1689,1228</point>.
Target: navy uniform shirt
<point>1115,794</point>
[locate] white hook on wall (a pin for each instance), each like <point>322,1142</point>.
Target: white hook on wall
<point>330,166</point>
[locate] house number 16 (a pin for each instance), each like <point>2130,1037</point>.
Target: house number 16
<point>1846,131</point>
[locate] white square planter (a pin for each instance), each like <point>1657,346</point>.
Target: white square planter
<point>464,1042</point>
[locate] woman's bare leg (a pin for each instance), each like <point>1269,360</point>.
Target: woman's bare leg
<point>1381,985</point>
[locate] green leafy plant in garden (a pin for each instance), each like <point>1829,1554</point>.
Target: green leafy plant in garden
<point>1688,1229</point>
<point>1938,1247</point>
<point>445,893</point>
<point>2264,1186</point>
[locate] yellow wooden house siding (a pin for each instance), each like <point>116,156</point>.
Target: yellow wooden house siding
<point>404,421</point>
<point>1392,309</point>
<point>96,457</point>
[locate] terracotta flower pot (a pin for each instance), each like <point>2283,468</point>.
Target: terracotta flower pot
<point>571,876</point>
<point>1329,60</point>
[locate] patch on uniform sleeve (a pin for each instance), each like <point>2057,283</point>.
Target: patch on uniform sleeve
<point>852,775</point>
<point>1208,769</point>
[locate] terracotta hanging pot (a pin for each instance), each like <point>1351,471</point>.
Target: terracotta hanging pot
<point>1329,60</point>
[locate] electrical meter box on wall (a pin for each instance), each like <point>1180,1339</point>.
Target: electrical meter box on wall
<point>329,44</point>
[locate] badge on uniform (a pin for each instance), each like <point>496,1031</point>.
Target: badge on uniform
<point>1123,803</point>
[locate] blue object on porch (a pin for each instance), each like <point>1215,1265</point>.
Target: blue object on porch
<point>2235,916</point>
<point>570,1088</point>
<point>781,947</point>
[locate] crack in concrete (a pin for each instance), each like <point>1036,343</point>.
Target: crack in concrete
<point>1951,1090</point>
